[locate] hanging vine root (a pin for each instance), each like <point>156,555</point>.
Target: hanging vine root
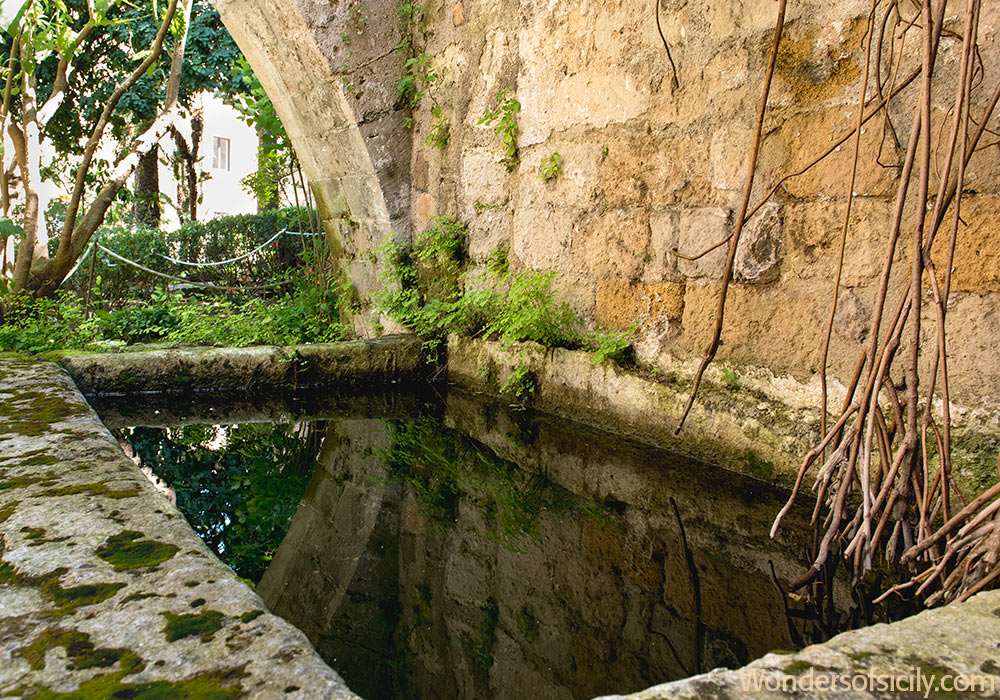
<point>885,492</point>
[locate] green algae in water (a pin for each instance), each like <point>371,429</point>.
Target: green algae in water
<point>204,624</point>
<point>128,550</point>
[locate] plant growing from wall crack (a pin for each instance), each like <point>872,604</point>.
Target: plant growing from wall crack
<point>551,167</point>
<point>503,118</point>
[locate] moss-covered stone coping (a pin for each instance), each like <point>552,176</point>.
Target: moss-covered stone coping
<point>745,419</point>
<point>105,591</point>
<point>726,426</point>
<point>389,359</point>
<point>958,641</point>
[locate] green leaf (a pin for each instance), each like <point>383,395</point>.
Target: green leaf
<point>9,228</point>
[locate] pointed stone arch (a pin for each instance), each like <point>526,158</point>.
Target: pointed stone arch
<point>308,97</point>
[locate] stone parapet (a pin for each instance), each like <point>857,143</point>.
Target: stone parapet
<point>385,360</point>
<point>105,591</point>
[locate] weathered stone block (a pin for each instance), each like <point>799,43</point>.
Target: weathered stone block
<point>656,171</point>
<point>621,303</point>
<point>489,229</point>
<point>612,243</point>
<point>812,240</point>
<point>664,238</point>
<point>364,197</point>
<point>575,185</point>
<point>484,177</point>
<point>424,209</point>
<point>759,251</point>
<point>977,254</point>
<point>853,320</point>
<point>698,229</point>
<point>810,134</point>
<point>543,237</point>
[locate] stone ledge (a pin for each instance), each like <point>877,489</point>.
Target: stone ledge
<point>724,428</point>
<point>956,640</point>
<point>104,587</point>
<point>385,360</point>
<point>754,423</point>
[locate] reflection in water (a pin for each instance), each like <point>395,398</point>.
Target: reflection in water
<point>463,551</point>
<point>476,554</point>
<point>238,485</point>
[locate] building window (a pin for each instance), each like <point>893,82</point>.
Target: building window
<point>220,153</point>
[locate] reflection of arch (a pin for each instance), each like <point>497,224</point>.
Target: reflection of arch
<point>308,98</point>
<point>332,528</point>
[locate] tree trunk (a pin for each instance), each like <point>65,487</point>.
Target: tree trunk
<point>147,189</point>
<point>197,128</point>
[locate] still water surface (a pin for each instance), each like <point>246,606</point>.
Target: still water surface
<point>445,547</point>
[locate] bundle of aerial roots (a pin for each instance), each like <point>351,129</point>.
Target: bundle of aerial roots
<point>882,475</point>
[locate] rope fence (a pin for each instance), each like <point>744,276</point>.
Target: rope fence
<point>95,247</point>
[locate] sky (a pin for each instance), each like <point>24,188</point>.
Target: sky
<point>9,10</point>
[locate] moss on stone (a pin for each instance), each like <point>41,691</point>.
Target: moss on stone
<point>928,668</point>
<point>204,624</point>
<point>67,599</point>
<point>211,685</point>
<point>139,596</point>
<point>39,460</point>
<point>20,482</point>
<point>129,550</point>
<point>80,650</point>
<point>861,657</point>
<point>8,510</point>
<point>797,667</point>
<point>91,490</point>
<point>8,574</point>
<point>250,616</point>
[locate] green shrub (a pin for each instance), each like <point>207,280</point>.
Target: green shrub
<point>39,325</point>
<point>307,314</point>
<point>219,239</point>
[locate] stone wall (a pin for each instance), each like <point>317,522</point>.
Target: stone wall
<point>649,166</point>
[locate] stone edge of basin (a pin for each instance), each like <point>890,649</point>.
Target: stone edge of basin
<point>739,430</point>
<point>761,426</point>
<point>389,359</point>
<point>952,641</point>
<point>104,587</point>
